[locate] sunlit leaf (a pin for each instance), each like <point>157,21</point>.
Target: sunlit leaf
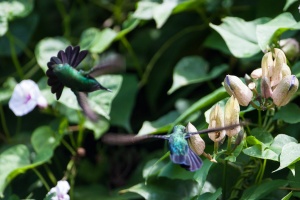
<point>47,48</point>
<point>258,151</point>
<point>16,8</point>
<point>44,138</point>
<point>162,12</point>
<point>288,3</point>
<point>280,140</point>
<point>290,155</point>
<point>211,196</point>
<point>289,113</point>
<point>272,30</point>
<point>3,23</point>
<point>239,34</point>
<point>193,69</point>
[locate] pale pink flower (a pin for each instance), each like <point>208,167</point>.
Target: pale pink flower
<point>60,191</point>
<point>25,97</point>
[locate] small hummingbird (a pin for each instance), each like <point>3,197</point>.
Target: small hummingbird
<point>62,72</point>
<point>180,151</point>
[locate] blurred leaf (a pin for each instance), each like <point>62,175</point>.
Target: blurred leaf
<point>262,190</point>
<point>290,155</point>
<point>3,22</point>
<point>201,174</point>
<point>239,34</point>
<point>16,8</point>
<point>288,3</point>
<point>145,10</point>
<point>215,41</point>
<point>44,138</point>
<point>47,48</point>
<point>193,69</point>
<point>262,135</point>
<point>121,110</point>
<point>7,89</point>
<point>153,167</point>
<point>211,196</point>
<point>272,30</point>
<point>288,196</point>
<point>163,188</point>
<point>289,113</point>
<point>162,12</point>
<point>99,128</point>
<point>173,171</point>
<point>128,25</point>
<point>20,32</point>
<point>163,124</point>
<point>97,41</point>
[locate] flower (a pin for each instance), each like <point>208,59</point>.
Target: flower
<point>60,191</point>
<point>234,86</point>
<point>216,120</point>
<point>196,143</point>
<point>285,90</point>
<point>25,97</point>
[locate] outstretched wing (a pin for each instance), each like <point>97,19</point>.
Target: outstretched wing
<point>83,103</point>
<point>72,56</point>
<point>111,64</point>
<point>56,86</point>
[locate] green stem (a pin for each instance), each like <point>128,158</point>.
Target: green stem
<point>216,147</point>
<point>31,72</point>
<point>132,53</point>
<point>262,171</point>
<point>3,122</point>
<point>73,152</point>
<point>41,178</point>
<point>254,105</point>
<point>50,174</point>
<point>14,55</point>
<point>229,144</point>
<point>259,118</point>
<point>164,47</point>
<point>224,180</point>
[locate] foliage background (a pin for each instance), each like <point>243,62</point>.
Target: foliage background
<point>177,55</point>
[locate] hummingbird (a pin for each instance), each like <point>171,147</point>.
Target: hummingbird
<point>180,151</point>
<point>62,72</point>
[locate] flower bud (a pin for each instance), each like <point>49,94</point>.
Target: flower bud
<point>196,143</point>
<point>285,90</point>
<point>247,79</point>
<point>257,73</point>
<point>231,117</point>
<point>285,71</point>
<point>266,90</point>
<point>216,120</point>
<point>290,47</point>
<point>234,86</point>
<point>280,59</point>
<point>267,64</point>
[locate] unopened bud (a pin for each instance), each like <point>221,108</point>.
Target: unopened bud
<point>234,86</point>
<point>231,117</point>
<point>266,90</point>
<point>251,86</point>
<point>280,59</point>
<point>216,120</point>
<point>247,79</point>
<point>290,47</point>
<point>285,90</point>
<point>257,73</point>
<point>196,143</point>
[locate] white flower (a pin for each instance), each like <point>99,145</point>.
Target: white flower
<point>60,190</point>
<point>25,97</point>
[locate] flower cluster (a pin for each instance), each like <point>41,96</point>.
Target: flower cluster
<point>273,80</point>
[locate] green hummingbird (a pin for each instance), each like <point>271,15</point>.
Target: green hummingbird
<point>62,72</point>
<point>180,151</point>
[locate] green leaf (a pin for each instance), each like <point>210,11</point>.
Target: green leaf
<point>16,8</point>
<point>211,196</point>
<point>44,138</point>
<point>173,171</point>
<point>98,128</point>
<point>128,25</point>
<point>280,140</point>
<point>162,12</point>
<point>121,110</point>
<point>215,41</point>
<point>165,189</point>
<point>97,41</point>
<point>290,155</point>
<point>7,89</point>
<point>3,23</point>
<point>201,174</point>
<point>145,10</point>
<point>262,135</point>
<point>193,69</point>
<point>163,124</point>
<point>20,32</point>
<point>153,167</point>
<point>289,113</point>
<point>288,3</point>
<point>262,190</point>
<point>258,151</point>
<point>239,34</point>
<point>47,48</point>
<point>288,196</point>
<point>272,30</point>
<point>10,160</point>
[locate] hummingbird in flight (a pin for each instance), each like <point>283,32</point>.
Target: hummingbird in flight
<point>180,151</point>
<point>62,72</point>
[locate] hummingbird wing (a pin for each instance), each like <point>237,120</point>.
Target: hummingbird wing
<point>72,55</point>
<point>56,86</point>
<point>83,103</point>
<point>111,64</point>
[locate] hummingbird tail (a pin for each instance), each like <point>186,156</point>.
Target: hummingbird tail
<point>189,161</point>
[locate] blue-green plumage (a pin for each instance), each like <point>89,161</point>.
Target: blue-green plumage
<point>180,152</point>
<point>62,72</point>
